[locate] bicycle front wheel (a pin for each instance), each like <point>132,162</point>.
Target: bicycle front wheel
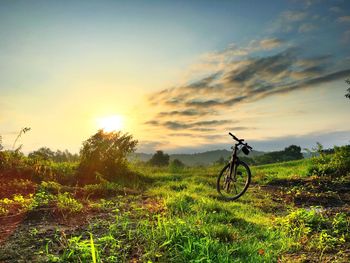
<point>235,186</point>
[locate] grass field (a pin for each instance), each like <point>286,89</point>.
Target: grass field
<point>175,215</point>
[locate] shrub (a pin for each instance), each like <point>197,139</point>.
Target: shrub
<point>104,154</point>
<point>11,160</point>
<point>66,203</point>
<point>331,164</point>
<point>301,222</point>
<point>322,231</point>
<point>17,204</point>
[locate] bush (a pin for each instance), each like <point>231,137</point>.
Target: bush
<point>321,231</point>
<point>11,160</point>
<point>336,164</point>
<point>104,154</point>
<point>67,204</point>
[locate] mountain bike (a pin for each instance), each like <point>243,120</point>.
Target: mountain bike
<point>234,179</point>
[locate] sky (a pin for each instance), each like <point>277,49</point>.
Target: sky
<point>177,75</point>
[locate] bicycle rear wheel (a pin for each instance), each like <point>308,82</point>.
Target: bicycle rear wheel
<point>234,187</point>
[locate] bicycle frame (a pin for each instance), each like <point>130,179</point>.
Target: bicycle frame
<point>233,167</point>
<point>235,172</point>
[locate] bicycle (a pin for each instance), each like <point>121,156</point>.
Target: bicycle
<point>234,179</point>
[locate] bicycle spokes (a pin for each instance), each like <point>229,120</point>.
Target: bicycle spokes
<point>234,178</point>
<point>231,186</point>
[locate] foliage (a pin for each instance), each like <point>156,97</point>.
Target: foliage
<point>17,204</point>
<point>45,153</point>
<point>22,131</point>
<point>68,204</point>
<point>336,164</point>
<point>42,198</point>
<point>104,154</point>
<point>290,153</point>
<point>318,230</point>
<point>176,166</point>
<point>348,90</point>
<point>159,159</point>
<point>177,163</point>
<point>103,189</point>
<point>13,160</point>
<point>178,218</point>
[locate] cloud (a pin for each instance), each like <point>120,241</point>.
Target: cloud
<point>294,16</point>
<point>271,43</point>
<point>308,3</point>
<point>343,19</point>
<point>193,106</point>
<point>234,51</point>
<point>177,125</point>
<point>187,112</point>
<point>287,21</point>
<point>307,27</point>
<point>335,9</point>
<point>151,146</point>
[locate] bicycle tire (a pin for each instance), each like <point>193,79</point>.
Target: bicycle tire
<point>246,185</point>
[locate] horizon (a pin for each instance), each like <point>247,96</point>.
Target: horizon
<point>178,76</point>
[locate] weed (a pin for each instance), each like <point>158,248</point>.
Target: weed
<point>67,204</point>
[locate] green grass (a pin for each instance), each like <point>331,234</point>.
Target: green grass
<point>268,173</point>
<point>176,216</point>
<point>195,226</point>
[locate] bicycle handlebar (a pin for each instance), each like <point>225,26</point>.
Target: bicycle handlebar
<point>235,138</point>
<point>240,141</point>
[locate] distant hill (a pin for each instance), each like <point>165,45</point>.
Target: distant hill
<point>204,158</point>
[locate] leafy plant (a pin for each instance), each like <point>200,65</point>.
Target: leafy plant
<point>105,154</point>
<point>67,204</point>
<point>337,164</point>
<point>22,131</point>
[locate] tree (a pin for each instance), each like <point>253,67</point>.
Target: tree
<point>104,154</point>
<point>160,159</point>
<point>43,153</point>
<point>348,90</point>
<point>293,152</point>
<point>65,156</point>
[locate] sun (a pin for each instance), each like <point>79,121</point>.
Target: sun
<point>111,123</point>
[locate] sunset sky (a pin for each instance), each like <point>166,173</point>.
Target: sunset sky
<point>178,75</point>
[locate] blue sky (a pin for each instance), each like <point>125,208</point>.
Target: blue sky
<point>180,73</point>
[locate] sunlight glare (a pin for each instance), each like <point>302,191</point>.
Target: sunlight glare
<point>111,123</point>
